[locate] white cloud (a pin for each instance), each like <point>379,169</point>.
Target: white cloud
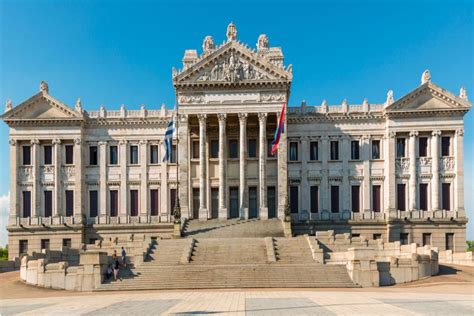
<point>4,210</point>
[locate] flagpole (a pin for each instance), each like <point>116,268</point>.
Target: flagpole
<point>177,207</point>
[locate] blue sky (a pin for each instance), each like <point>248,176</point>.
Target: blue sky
<point>121,52</point>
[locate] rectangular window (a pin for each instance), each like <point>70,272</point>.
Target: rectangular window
<point>446,196</point>
<point>376,149</point>
<point>45,244</point>
<point>334,198</point>
<point>314,199</point>
<point>293,151</point>
<point>423,196</point>
<point>233,149</point>
<point>26,203</point>
<point>355,150</point>
<point>334,150</point>
<point>404,239</point>
<point>426,239</point>
<point>271,201</point>
<point>195,148</point>
<point>26,155</point>
<point>215,148</point>
<point>313,151</point>
<point>253,211</point>
<point>196,199</point>
<point>173,154</point>
<point>67,242</point>
<point>376,198</point>
<point>133,202</point>
<point>113,203</point>
<point>48,154</point>
<point>69,202</point>
<point>48,203</point>
<point>172,199</point>
<point>93,203</point>
<point>23,245</point>
<point>113,155</point>
<point>355,197</point>
<point>400,147</point>
<point>377,236</point>
<point>422,147</point>
<point>93,156</point>
<point>294,199</point>
<point>154,206</point>
<point>269,148</point>
<point>153,154</point>
<point>449,241</point>
<point>252,148</point>
<point>401,197</point>
<point>445,146</point>
<point>133,154</point>
<point>214,202</point>
<point>69,153</point>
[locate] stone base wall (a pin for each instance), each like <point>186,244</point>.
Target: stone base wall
<point>460,258</point>
<point>9,265</point>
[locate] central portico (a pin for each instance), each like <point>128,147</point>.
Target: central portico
<point>229,99</point>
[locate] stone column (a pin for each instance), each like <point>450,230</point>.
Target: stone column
<point>346,190</point>
<point>389,164</point>
<point>143,179</point>
<point>79,180</point>
<point>164,191</point>
<point>242,166</point>
<point>15,210</point>
<point>435,135</point>
<point>282,170</point>
<point>262,165</point>
<point>123,197</point>
<point>459,168</point>
<point>366,196</point>
<point>412,205</point>
<point>222,117</point>
<point>324,187</point>
<point>305,187</point>
<point>102,214</point>
<point>57,178</point>
<point>184,164</point>
<point>35,194</point>
<point>203,212</point>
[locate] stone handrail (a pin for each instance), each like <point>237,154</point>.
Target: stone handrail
<point>188,251</point>
<point>270,249</point>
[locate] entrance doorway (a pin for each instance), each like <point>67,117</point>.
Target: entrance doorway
<point>195,203</point>
<point>253,210</point>
<point>234,202</point>
<point>271,201</point>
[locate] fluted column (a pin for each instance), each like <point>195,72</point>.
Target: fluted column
<point>143,178</point>
<point>459,168</point>
<point>35,194</point>
<point>184,165</point>
<point>412,181</point>
<point>203,212</point>
<point>262,165</point>
<point>57,178</point>
<point>14,192</point>
<point>123,198</point>
<point>242,166</point>
<point>222,165</point>
<point>102,182</point>
<point>435,135</point>
<point>78,172</point>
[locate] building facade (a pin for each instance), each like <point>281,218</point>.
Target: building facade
<point>392,170</point>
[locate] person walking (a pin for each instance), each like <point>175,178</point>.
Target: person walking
<point>116,269</point>
<point>124,257</point>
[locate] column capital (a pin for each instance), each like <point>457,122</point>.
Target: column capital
<point>262,117</point>
<point>392,134</point>
<point>413,133</point>
<point>77,141</point>
<point>35,141</point>
<point>202,118</point>
<point>366,137</point>
<point>183,118</point>
<point>222,117</point>
<point>102,143</point>
<point>143,142</point>
<point>242,117</point>
<point>436,133</point>
<point>56,141</point>
<point>460,132</point>
<point>12,142</point>
<point>123,142</point>
<point>324,138</point>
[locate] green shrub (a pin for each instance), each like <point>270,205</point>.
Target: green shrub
<point>470,245</point>
<point>4,253</point>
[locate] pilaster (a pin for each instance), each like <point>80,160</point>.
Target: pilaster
<point>184,163</point>
<point>435,135</point>
<point>35,194</point>
<point>412,181</point>
<point>79,180</point>
<point>390,177</point>
<point>459,167</point>
<point>14,192</point>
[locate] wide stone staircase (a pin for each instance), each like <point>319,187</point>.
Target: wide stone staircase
<point>233,228</point>
<point>204,262</point>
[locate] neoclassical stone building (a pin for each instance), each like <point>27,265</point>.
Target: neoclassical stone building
<point>392,170</point>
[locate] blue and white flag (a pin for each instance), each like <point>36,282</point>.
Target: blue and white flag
<point>169,138</point>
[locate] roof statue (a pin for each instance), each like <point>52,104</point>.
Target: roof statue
<point>8,105</point>
<point>345,106</point>
<point>44,87</point>
<point>208,44</point>
<point>79,105</point>
<point>425,77</point>
<point>365,105</point>
<point>102,111</point>
<point>324,106</point>
<point>231,32</point>
<point>463,93</point>
<point>389,100</point>
<point>262,43</point>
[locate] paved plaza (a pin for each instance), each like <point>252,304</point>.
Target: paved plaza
<point>451,293</point>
